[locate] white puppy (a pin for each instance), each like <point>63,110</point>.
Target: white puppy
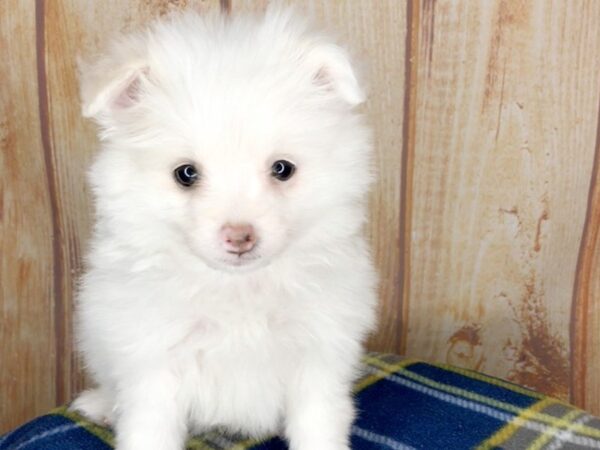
<point>228,282</point>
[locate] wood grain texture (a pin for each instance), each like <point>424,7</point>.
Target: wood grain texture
<point>27,345</point>
<point>585,321</point>
<point>376,38</point>
<point>503,154</point>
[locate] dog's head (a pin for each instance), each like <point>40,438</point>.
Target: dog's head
<point>234,139</point>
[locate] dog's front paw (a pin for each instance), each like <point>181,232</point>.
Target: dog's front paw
<point>96,405</point>
<point>146,436</point>
<point>316,444</point>
<point>145,440</point>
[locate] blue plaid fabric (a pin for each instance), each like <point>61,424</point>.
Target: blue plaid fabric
<point>402,404</point>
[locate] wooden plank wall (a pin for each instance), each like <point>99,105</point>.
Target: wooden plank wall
<point>485,220</point>
<point>27,346</point>
<point>506,108</point>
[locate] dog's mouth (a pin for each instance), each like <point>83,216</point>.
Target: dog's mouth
<point>230,261</point>
<point>235,261</point>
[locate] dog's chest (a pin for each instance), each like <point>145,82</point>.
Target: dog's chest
<point>239,369</point>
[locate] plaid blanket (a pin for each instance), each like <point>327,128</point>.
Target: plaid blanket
<point>402,403</point>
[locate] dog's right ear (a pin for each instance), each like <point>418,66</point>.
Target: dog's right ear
<point>114,82</point>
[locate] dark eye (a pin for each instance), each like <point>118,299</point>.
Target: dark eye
<point>283,170</point>
<point>186,175</point>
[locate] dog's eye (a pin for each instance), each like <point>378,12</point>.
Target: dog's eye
<point>186,175</point>
<point>282,170</point>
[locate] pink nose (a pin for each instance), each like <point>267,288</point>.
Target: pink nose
<point>237,238</point>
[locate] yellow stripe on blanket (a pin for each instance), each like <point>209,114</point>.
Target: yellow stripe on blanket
<point>489,380</point>
<point>540,417</point>
<point>508,430</point>
<point>101,433</point>
<point>388,370</point>
<point>545,437</point>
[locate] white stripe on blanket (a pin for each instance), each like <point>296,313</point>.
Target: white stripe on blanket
<point>379,439</point>
<point>566,435</point>
<point>58,430</point>
<point>483,409</point>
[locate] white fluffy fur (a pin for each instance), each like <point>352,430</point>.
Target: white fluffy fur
<point>178,334</point>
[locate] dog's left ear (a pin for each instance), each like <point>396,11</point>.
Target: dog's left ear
<point>114,82</point>
<point>333,69</point>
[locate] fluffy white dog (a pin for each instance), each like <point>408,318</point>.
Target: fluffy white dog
<point>228,283</point>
